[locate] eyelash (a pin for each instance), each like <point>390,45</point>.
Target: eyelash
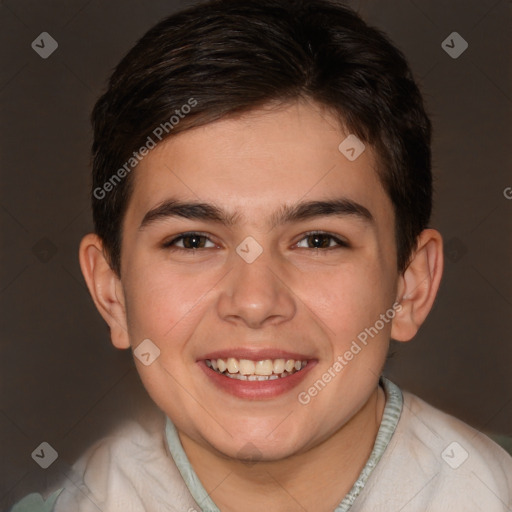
<point>191,234</point>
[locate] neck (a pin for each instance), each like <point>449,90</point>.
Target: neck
<point>317,479</point>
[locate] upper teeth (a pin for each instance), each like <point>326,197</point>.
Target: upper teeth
<point>265,367</point>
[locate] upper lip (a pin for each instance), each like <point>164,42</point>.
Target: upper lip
<point>255,354</point>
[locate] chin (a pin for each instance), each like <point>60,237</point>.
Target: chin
<point>252,448</point>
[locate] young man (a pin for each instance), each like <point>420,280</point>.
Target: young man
<point>261,198</point>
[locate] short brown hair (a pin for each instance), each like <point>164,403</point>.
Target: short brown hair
<point>232,56</point>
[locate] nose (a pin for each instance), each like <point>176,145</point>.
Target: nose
<point>256,294</point>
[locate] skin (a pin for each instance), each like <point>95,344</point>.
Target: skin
<point>292,297</point>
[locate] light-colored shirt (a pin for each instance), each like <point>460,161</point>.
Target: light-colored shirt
<point>422,460</point>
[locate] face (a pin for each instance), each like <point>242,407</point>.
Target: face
<point>255,243</point>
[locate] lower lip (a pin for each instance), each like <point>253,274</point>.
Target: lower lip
<point>256,390</point>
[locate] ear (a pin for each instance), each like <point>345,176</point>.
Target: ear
<point>418,285</point>
<point>105,288</point>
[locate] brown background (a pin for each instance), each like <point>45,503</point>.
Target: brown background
<point>61,380</point>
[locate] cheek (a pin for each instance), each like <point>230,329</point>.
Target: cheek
<point>162,303</point>
<point>349,298</point>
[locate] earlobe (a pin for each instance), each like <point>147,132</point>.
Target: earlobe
<point>105,288</point>
<point>419,285</point>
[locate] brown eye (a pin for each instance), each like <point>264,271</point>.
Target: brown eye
<point>321,241</point>
<point>187,241</point>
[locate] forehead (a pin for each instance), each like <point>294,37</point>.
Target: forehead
<point>255,163</point>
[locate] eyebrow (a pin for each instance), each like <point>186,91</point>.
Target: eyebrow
<point>208,212</point>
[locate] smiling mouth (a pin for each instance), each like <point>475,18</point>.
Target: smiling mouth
<point>265,369</point>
